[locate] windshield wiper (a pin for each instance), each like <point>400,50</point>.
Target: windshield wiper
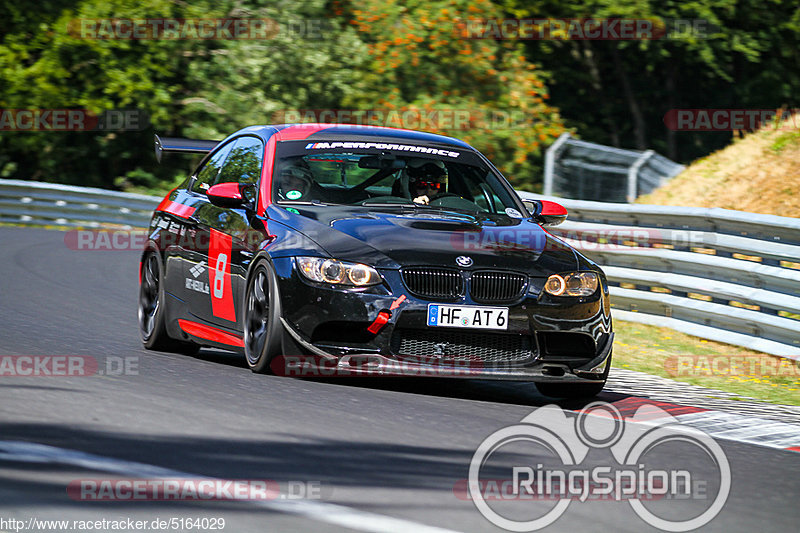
<point>303,202</point>
<point>396,204</point>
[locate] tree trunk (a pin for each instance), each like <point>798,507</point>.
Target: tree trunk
<point>672,75</point>
<point>639,128</point>
<point>597,84</point>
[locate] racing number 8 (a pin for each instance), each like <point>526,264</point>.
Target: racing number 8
<point>219,278</point>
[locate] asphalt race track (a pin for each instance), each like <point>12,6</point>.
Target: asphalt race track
<point>369,454</point>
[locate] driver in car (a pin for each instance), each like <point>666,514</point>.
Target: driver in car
<point>426,180</point>
<point>296,182</point>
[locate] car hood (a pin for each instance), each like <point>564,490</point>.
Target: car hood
<point>405,236</point>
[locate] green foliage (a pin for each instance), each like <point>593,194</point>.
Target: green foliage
<point>246,82</point>
<point>789,138</point>
<point>422,62</point>
<point>136,179</point>
<point>382,55</point>
<point>744,56</point>
<point>49,66</point>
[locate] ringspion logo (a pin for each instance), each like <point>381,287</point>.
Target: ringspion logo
<point>547,453</point>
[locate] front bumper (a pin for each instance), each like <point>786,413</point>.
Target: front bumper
<point>326,334</point>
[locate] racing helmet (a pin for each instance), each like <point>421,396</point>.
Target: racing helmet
<point>424,173</point>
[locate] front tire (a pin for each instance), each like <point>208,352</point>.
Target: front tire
<point>262,327</point>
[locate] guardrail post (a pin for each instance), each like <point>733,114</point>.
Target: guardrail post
<point>633,175</point>
<point>550,162</point>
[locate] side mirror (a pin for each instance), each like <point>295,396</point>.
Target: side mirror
<point>552,214</point>
<point>225,195</point>
<point>545,212</point>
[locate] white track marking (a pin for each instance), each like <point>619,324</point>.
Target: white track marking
<point>340,515</point>
<point>739,428</point>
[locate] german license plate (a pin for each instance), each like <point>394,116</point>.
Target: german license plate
<point>467,316</point>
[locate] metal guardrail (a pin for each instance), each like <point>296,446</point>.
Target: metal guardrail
<point>714,273</point>
<point>769,228</point>
<point>46,204</point>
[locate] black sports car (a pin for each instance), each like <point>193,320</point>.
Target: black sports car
<point>320,249</point>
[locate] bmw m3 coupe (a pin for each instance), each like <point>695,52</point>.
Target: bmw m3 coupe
<point>336,250</point>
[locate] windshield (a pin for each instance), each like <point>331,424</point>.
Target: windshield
<point>361,173</point>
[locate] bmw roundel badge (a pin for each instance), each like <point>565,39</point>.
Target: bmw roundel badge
<point>464,261</point>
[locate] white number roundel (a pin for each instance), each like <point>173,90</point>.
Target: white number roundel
<point>219,277</point>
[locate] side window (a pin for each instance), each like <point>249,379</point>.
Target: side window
<point>244,162</point>
<point>207,175</point>
<point>243,165</point>
<point>476,189</point>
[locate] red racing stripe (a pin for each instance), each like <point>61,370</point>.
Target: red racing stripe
<point>165,201</point>
<point>265,193</point>
<point>299,132</point>
<point>174,208</point>
<point>210,333</point>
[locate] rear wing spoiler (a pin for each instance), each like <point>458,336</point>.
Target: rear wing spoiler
<point>186,146</point>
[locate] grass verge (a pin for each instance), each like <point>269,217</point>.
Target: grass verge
<point>675,355</point>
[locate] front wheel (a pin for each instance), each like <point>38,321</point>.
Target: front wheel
<point>262,327</point>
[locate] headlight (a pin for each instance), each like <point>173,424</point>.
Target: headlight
<point>337,272</point>
<point>571,284</point>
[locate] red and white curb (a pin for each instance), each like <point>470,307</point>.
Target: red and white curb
<point>723,425</point>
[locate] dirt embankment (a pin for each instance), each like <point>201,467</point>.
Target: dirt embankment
<point>759,173</point>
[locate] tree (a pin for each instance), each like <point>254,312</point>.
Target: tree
<point>423,60</point>
<point>617,92</point>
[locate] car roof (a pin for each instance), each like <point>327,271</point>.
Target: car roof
<point>321,132</point>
